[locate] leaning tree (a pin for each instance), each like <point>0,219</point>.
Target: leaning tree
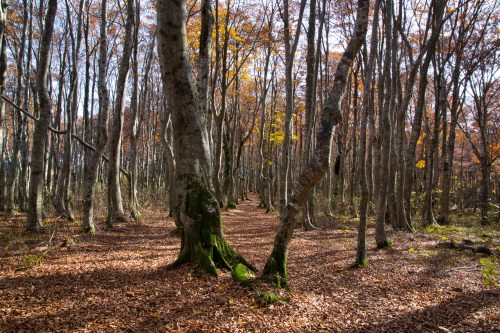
<point>276,263</point>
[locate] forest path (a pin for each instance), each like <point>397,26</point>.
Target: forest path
<point>116,282</point>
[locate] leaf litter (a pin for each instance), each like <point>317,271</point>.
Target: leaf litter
<point>117,281</point>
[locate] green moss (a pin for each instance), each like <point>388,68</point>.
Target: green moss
<point>207,264</point>
<point>241,274</point>
<point>231,205</point>
<point>275,269</point>
<point>270,210</point>
<point>361,263</point>
<point>269,297</point>
<point>207,245</point>
<point>30,262</point>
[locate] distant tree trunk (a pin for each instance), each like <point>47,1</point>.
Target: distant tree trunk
<point>63,195</point>
<point>197,211</point>
<point>102,135</point>
<point>136,120</point>
<point>264,87</point>
<point>3,72</point>
<point>34,221</point>
<point>19,119</point>
<point>354,144</point>
<point>385,131</point>
<point>438,12</point>
<point>444,207</point>
<point>309,222</point>
<point>361,257</point>
<point>276,263</point>
<point>115,205</point>
<point>290,49</point>
<point>166,139</point>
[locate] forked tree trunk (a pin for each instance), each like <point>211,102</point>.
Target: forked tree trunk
<point>34,222</point>
<point>276,263</point>
<point>197,211</point>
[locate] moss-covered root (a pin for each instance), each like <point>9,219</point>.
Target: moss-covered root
<point>242,274</point>
<point>265,298</point>
<point>275,270</point>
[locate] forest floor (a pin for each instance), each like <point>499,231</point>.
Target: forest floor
<point>116,281</point>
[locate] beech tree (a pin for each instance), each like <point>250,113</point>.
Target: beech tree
<point>34,222</point>
<point>276,263</point>
<point>197,211</point>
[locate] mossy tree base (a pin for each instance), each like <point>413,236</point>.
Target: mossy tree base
<point>275,270</point>
<point>202,240</point>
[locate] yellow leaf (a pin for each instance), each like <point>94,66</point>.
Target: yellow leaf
<point>411,249</point>
<point>420,164</point>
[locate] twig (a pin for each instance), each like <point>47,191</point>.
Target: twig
<point>465,268</point>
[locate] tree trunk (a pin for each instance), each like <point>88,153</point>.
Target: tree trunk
<point>137,116</point>
<point>197,210</point>
<point>290,49</point>
<point>102,135</point>
<point>115,205</point>
<point>34,221</point>
<point>3,72</point>
<point>361,257</point>
<point>276,263</point>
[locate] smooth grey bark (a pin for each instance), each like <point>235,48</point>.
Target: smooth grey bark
<point>62,199</point>
<point>34,220</point>
<point>276,263</point>
<point>102,134</point>
<point>17,140</point>
<point>197,211</point>
<point>167,139</point>
<point>137,116</point>
<point>361,256</point>
<point>290,50</point>
<point>264,85</point>
<point>221,115</point>
<point>3,72</point>
<point>115,204</point>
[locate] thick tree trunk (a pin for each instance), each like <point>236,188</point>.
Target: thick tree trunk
<point>276,263</point>
<point>34,221</point>
<point>197,210</point>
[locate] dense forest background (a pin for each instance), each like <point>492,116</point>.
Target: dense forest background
<point>378,119</point>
